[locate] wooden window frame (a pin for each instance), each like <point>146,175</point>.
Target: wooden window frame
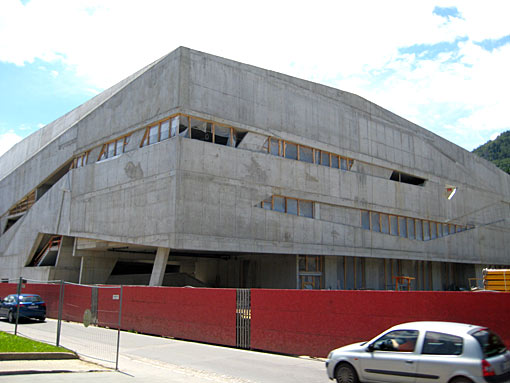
<point>104,149</point>
<point>316,153</point>
<point>285,199</point>
<point>439,226</point>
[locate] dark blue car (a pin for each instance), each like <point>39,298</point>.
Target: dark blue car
<point>32,306</point>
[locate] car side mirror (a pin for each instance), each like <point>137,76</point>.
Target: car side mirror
<point>370,348</point>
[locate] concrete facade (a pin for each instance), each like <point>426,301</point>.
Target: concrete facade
<point>304,186</point>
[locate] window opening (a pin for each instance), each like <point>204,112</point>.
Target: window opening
<point>274,147</point>
<point>399,340</point>
<point>222,135</point>
<point>305,154</point>
<point>279,204</point>
<point>324,159</point>
<point>419,230</point>
<point>201,130</point>
<point>291,151</point>
<point>183,126</point>
<point>174,126</point>
<point>113,148</point>
<point>80,160</point>
<point>310,272</point>
<point>385,227</point>
<point>239,136</point>
<point>23,205</point>
<point>406,178</point>
<point>402,228</point>
<point>289,205</point>
<point>334,161</point>
<point>153,135</point>
<point>365,220</point>
<point>436,343</point>
<point>407,227</point>
<point>292,206</point>
<point>410,228</point>
<point>164,130</point>
<point>376,224</point>
<point>306,209</point>
<point>268,204</point>
<point>394,225</point>
<point>433,230</point>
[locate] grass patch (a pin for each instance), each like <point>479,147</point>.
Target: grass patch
<point>12,343</point>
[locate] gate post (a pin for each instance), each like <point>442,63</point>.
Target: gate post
<point>18,292</point>
<point>60,309</point>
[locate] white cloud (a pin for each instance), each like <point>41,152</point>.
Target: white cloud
<point>344,44</point>
<point>7,140</point>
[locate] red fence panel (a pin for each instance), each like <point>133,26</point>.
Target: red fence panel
<point>315,322</point>
<point>76,300</point>
<point>205,315</point>
<point>108,305</point>
<point>49,294</point>
<point>7,289</point>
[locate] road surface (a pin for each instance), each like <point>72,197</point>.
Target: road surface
<point>144,357</point>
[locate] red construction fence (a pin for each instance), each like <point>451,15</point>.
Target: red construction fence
<point>307,322</point>
<point>298,322</point>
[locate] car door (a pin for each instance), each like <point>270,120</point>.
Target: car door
<point>440,355</point>
<point>391,358</point>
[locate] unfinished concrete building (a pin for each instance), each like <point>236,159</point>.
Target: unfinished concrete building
<point>202,171</point>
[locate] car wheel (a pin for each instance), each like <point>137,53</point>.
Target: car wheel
<point>42,319</point>
<point>10,317</point>
<point>461,379</point>
<point>344,373</point>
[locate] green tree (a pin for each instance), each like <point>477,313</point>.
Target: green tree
<point>497,151</point>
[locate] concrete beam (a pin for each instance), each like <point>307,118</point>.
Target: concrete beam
<point>158,270</point>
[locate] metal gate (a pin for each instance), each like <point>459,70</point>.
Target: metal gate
<point>243,318</point>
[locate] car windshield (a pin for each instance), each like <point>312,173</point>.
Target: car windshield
<point>31,298</point>
<point>490,342</point>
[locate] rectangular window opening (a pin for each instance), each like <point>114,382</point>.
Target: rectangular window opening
<point>279,204</point>
<point>374,218</point>
<point>407,178</point>
<point>305,154</point>
<point>290,151</point>
<point>365,220</point>
<point>394,225</point>
<point>402,227</point>
<point>306,209</point>
<point>385,227</point>
<point>292,206</point>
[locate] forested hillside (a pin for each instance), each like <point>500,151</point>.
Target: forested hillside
<point>497,151</point>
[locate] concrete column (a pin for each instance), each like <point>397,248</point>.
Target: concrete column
<point>67,267</point>
<point>331,273</point>
<point>158,270</point>
<point>96,270</point>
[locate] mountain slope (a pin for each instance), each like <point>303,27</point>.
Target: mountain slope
<point>497,151</point>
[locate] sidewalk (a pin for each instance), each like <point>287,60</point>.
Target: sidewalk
<point>25,367</point>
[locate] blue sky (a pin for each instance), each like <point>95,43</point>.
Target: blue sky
<point>441,64</point>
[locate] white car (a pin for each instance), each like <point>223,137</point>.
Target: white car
<point>420,352</point>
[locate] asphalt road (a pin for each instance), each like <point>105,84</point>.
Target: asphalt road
<point>144,357</point>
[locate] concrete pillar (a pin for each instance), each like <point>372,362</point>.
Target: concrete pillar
<point>67,267</point>
<point>158,270</point>
<point>95,270</point>
<point>331,281</point>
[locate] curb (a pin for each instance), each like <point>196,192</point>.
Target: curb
<point>37,355</point>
